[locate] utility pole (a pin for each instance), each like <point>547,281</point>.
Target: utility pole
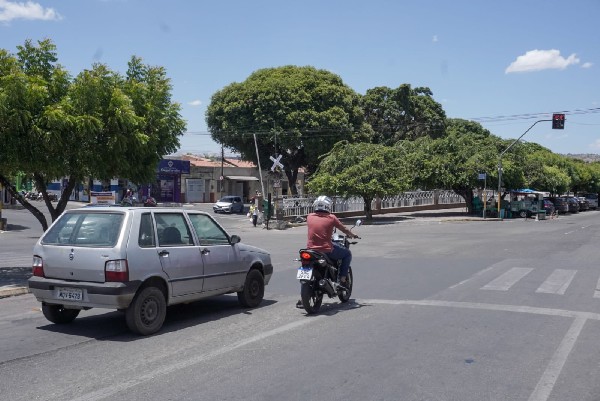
<point>222,176</point>
<point>500,163</point>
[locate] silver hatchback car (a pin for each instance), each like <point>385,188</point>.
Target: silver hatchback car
<point>140,261</point>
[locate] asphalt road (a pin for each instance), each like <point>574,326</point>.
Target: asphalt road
<point>443,309</point>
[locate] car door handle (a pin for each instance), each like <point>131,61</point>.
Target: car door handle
<point>163,253</point>
<point>205,251</point>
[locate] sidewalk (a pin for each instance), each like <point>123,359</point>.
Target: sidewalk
<point>13,281</point>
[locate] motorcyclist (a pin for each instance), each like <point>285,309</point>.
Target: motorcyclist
<point>320,229</point>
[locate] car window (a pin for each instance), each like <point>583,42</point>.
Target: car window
<point>208,232</point>
<point>173,229</point>
<point>146,235</point>
<point>86,229</point>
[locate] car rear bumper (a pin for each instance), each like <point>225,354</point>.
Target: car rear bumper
<point>95,295</point>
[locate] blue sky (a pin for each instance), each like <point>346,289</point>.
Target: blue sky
<point>503,63</point>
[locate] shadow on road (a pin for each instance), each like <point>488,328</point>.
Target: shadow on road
<point>111,326</point>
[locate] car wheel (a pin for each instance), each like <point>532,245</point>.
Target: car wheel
<point>523,213</point>
<point>58,314</point>
<point>254,289</point>
<point>147,311</point>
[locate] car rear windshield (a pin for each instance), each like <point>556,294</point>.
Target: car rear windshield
<point>85,229</point>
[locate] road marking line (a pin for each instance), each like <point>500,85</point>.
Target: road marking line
<point>115,388</point>
<point>473,277</point>
<point>597,290</point>
<point>508,279</point>
<point>490,307</point>
<point>557,282</point>
<point>546,384</point>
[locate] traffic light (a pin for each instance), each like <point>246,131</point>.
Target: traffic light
<point>558,121</point>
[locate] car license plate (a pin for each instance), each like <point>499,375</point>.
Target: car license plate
<point>69,294</point>
<point>304,273</point>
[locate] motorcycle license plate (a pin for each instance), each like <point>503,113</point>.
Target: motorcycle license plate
<point>304,273</point>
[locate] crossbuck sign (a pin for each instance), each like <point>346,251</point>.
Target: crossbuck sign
<point>276,162</point>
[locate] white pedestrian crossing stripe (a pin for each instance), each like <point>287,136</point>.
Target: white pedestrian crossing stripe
<point>597,290</point>
<point>557,282</point>
<point>508,279</point>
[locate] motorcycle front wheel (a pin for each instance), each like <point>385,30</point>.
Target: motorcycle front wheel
<point>344,294</point>
<point>311,300</point>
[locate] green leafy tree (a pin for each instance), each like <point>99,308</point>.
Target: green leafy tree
<point>298,112</point>
<point>546,171</point>
<point>455,160</point>
<point>360,169</point>
<point>98,125</point>
<point>402,113</point>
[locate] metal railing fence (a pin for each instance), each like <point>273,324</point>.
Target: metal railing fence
<point>301,206</point>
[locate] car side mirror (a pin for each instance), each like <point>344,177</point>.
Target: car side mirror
<point>235,239</point>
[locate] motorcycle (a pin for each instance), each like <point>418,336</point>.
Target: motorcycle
<point>318,276</point>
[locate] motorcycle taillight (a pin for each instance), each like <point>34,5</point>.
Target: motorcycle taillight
<point>305,256</point>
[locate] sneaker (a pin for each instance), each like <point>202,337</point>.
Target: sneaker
<point>343,283</point>
<point>299,304</point>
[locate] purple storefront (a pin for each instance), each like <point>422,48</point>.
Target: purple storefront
<point>167,187</point>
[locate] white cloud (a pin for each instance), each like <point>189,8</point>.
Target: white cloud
<point>538,60</point>
<point>587,65</point>
<point>435,38</point>
<point>195,103</point>
<point>595,145</point>
<point>11,10</point>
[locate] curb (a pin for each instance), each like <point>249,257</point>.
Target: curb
<point>11,291</point>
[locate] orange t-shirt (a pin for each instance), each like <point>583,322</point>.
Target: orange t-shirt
<point>320,229</point>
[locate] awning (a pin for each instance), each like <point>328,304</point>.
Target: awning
<point>241,178</point>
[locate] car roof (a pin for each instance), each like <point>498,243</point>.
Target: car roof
<point>132,209</point>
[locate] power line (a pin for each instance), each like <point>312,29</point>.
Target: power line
<point>330,132</point>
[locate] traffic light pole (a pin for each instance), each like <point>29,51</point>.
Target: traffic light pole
<point>500,164</point>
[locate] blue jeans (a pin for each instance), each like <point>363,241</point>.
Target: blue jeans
<point>339,252</point>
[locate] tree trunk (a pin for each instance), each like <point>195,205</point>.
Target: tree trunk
<point>467,194</point>
<point>292,176</point>
<point>21,199</point>
<point>368,210</point>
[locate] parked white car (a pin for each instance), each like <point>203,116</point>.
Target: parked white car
<point>141,260</point>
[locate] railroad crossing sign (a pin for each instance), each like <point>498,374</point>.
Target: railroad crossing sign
<point>276,162</point>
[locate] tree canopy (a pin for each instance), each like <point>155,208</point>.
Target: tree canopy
<point>298,112</point>
<point>402,113</point>
<point>360,169</point>
<point>98,125</point>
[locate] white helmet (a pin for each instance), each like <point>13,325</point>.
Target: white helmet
<point>322,204</point>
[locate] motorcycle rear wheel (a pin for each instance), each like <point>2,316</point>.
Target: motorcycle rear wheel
<point>344,295</point>
<point>311,301</point>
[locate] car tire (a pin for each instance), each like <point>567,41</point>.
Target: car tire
<point>254,290</point>
<point>58,314</point>
<point>147,311</point>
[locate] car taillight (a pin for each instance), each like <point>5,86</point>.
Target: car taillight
<point>116,270</point>
<point>38,266</point>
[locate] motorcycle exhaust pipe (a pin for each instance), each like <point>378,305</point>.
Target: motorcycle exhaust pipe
<point>326,286</point>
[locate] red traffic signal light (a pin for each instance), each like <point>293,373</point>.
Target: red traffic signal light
<point>558,121</point>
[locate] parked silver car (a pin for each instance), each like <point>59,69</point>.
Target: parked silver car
<point>141,260</point>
